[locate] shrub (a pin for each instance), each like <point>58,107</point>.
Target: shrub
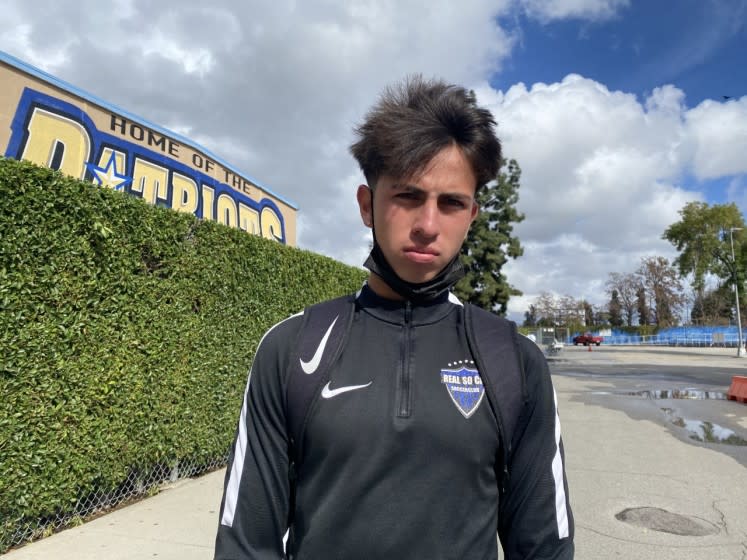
<point>126,334</point>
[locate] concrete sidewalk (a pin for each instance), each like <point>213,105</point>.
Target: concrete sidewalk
<point>177,524</point>
<point>614,462</point>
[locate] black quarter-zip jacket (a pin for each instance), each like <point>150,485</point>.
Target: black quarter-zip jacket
<point>398,459</point>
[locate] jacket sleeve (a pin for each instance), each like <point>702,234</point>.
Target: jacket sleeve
<point>256,497</point>
<point>534,516</point>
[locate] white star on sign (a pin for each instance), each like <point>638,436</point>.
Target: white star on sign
<point>109,176</point>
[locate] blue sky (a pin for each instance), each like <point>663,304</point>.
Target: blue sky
<point>701,47</point>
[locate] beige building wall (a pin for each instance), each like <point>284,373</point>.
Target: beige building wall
<point>51,123</point>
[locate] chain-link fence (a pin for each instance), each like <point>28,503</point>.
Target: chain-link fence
<point>138,485</point>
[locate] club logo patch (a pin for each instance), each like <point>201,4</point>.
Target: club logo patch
<point>465,388</point>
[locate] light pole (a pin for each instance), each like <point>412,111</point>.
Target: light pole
<point>740,346</point>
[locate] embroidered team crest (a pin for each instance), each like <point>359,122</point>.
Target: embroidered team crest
<point>465,388</point>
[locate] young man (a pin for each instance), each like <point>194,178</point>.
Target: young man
<point>399,459</point>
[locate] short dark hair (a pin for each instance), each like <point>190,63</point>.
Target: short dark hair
<point>414,120</point>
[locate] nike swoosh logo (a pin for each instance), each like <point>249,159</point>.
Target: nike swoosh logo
<point>328,393</point>
<point>310,366</point>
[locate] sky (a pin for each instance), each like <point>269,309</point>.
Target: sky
<point>619,112</point>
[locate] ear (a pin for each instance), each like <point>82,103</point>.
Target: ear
<point>474,212</point>
<point>364,204</point>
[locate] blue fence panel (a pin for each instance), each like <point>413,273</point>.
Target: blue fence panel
<point>675,336</point>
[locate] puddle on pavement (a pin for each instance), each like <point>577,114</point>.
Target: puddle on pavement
<point>698,430</point>
<point>706,432</point>
<point>693,394</point>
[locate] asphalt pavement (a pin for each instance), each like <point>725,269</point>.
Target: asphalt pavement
<point>627,456</point>
<point>640,486</point>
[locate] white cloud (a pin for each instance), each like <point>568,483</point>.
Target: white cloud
<point>600,179</point>
<point>274,86</point>
<point>718,135</point>
<point>15,37</point>
<point>585,152</point>
<point>192,60</point>
<point>595,10</point>
<point>275,89</point>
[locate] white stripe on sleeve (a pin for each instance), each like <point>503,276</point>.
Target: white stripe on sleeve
<point>234,481</point>
<point>561,507</point>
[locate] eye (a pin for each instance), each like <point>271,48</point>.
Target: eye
<point>408,198</point>
<point>454,203</point>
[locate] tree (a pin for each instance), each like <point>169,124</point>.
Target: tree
<point>588,313</point>
<point>491,242</point>
<point>565,311</point>
<point>530,317</point>
<point>601,316</point>
<point>626,286</point>
<point>716,307</point>
<point>644,315</point>
<point>661,283</point>
<point>571,312</point>
<point>615,309</point>
<point>546,308</point>
<point>702,239</point>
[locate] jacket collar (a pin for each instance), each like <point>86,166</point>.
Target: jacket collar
<point>399,311</point>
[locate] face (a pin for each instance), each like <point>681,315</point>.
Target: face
<point>420,223</point>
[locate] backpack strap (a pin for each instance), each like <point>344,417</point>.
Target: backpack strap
<point>494,344</point>
<point>323,332</point>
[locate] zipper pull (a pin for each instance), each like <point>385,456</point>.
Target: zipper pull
<point>408,312</point>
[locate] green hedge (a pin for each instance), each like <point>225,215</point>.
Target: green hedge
<point>126,334</point>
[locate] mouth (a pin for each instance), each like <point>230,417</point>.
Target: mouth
<point>421,255</point>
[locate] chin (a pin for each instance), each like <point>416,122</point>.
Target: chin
<point>418,276</point>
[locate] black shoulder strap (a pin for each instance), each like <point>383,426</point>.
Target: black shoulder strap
<point>494,345</point>
<point>325,326</point>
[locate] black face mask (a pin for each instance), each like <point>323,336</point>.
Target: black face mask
<point>416,293</point>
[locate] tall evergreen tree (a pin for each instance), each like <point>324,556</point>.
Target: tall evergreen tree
<point>588,313</point>
<point>491,242</point>
<point>644,314</point>
<point>615,310</point>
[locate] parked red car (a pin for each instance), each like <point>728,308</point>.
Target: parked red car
<point>587,338</point>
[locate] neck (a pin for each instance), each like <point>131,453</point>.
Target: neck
<point>381,288</point>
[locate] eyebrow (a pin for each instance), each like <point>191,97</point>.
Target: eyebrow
<point>406,186</point>
<point>415,189</point>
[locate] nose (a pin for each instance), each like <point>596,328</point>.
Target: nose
<point>426,221</point>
